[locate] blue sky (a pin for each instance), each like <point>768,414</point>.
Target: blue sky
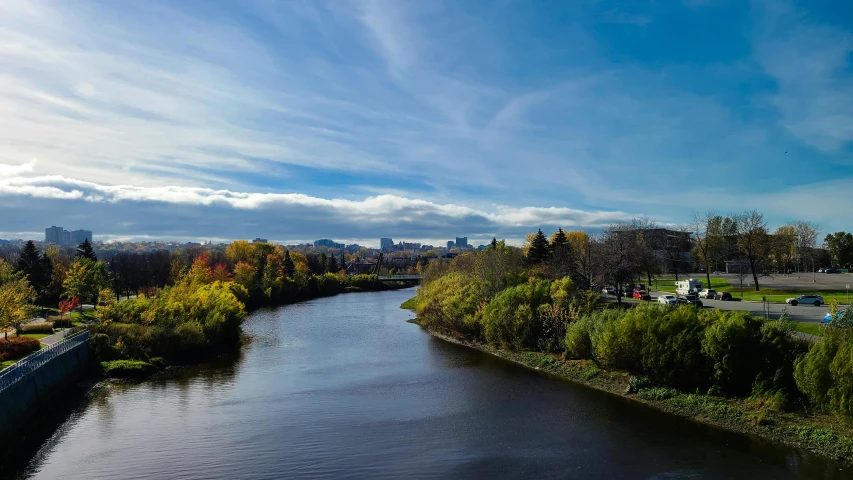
<point>420,120</point>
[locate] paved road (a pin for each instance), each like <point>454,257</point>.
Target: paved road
<point>800,313</point>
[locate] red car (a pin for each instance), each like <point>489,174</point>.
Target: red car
<point>641,295</point>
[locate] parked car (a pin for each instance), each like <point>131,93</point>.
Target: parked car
<point>690,299</point>
<point>831,270</point>
<point>668,299</point>
<point>641,295</point>
<point>815,300</point>
<point>723,296</point>
<point>821,270</point>
<point>707,293</point>
<point>608,291</point>
<point>828,317</point>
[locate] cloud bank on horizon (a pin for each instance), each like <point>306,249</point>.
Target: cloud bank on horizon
<point>419,120</point>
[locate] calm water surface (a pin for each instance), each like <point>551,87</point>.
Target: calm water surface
<point>344,387</point>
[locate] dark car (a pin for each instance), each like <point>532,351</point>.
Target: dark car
<point>690,300</point>
<point>831,270</point>
<point>608,291</point>
<point>641,295</point>
<point>723,296</point>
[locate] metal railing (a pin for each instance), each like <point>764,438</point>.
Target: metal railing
<point>399,277</point>
<point>31,363</point>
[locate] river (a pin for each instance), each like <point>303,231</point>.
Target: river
<point>345,387</point>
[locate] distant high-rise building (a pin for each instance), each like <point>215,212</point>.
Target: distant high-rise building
<point>54,235</point>
<point>386,244</point>
<point>60,236</point>
<point>325,242</point>
<point>260,240</point>
<point>461,242</point>
<point>450,244</point>
<point>80,236</point>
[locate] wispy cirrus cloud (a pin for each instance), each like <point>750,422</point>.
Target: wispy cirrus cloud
<point>811,63</point>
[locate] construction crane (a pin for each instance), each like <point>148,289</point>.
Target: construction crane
<point>378,265</point>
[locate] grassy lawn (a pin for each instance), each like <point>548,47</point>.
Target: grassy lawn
<point>78,318</point>
<point>810,328</point>
<point>779,296</point>
<point>410,304</point>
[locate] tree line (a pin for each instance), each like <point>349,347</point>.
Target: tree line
<point>528,299</point>
<point>641,248</point>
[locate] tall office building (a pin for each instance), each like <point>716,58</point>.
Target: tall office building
<point>54,235</point>
<point>79,236</point>
<point>450,244</point>
<point>386,244</point>
<point>60,236</point>
<point>461,242</point>
<point>325,242</point>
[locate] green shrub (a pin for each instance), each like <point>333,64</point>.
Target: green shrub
<point>657,393</point>
<point>580,333</point>
<point>839,447</point>
<point>127,368</point>
<point>825,373</point>
<point>37,327</point>
<point>451,303</point>
<point>733,343</point>
<point>510,319</point>
<point>635,384</point>
<point>17,347</point>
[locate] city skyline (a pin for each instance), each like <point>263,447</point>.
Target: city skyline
<point>420,119</point>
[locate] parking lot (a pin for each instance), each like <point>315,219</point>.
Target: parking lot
<point>800,313</point>
<point>806,282</point>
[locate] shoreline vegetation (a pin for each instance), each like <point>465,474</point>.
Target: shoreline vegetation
<point>727,369</point>
<point>816,433</point>
<point>198,316</point>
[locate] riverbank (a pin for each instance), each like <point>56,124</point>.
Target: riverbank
<point>822,434</point>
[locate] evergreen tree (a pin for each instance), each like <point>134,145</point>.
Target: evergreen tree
<point>559,238</point>
<point>538,251</point>
<point>289,267</point>
<point>324,264</point>
<point>46,271</point>
<point>30,266</point>
<point>333,264</point>
<point>494,243</point>
<point>343,265</point>
<point>85,250</point>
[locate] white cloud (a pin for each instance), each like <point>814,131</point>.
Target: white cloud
<point>13,170</point>
<point>182,209</point>
<point>811,64</point>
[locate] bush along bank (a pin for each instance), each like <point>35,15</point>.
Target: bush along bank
<point>723,368</point>
<point>200,315</point>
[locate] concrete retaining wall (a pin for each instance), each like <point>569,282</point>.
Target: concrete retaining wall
<point>24,398</point>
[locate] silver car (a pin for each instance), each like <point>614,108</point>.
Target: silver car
<point>815,300</point>
<point>667,299</point>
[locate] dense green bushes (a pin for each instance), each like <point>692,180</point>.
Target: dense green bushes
<point>176,323</point>
<point>128,368</point>
<point>17,347</point>
<point>728,353</point>
<point>825,373</point>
